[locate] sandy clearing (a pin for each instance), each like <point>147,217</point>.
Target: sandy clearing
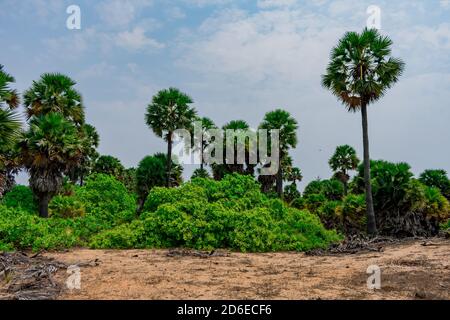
<point>409,271</point>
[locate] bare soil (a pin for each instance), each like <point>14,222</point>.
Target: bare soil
<point>411,270</point>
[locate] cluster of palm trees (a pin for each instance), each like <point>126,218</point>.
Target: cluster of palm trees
<point>60,144</point>
<point>9,129</point>
<point>171,109</point>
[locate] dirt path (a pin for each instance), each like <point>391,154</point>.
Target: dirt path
<point>409,271</point>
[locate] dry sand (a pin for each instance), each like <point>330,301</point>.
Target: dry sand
<point>410,270</point>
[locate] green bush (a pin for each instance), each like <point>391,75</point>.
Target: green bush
<point>331,189</point>
<point>436,204</point>
<point>203,214</point>
<point>20,197</point>
<point>352,213</point>
<point>126,236</point>
<point>23,230</point>
<point>403,205</point>
<point>206,214</point>
<point>66,207</point>
<point>436,179</point>
<point>107,198</point>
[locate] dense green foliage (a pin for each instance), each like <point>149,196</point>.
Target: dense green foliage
<point>436,179</point>
<point>403,205</point>
<point>109,165</point>
<point>202,214</point>
<point>20,197</point>
<point>152,172</point>
<point>206,214</point>
<point>101,204</point>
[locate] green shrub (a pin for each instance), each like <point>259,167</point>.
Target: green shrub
<point>107,198</point>
<point>436,179</point>
<point>403,205</point>
<point>314,201</point>
<point>232,213</point>
<point>352,213</point>
<point>331,189</point>
<point>126,236</point>
<point>436,204</point>
<point>66,207</point>
<point>20,197</point>
<point>203,214</point>
<point>160,195</point>
<point>22,230</point>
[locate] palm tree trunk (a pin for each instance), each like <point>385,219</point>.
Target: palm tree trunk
<point>371,223</point>
<point>2,183</point>
<point>280,181</point>
<point>345,188</point>
<point>169,159</point>
<point>43,205</point>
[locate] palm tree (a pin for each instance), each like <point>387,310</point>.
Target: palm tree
<point>294,175</point>
<point>287,126</point>
<point>10,125</point>
<point>360,72</point>
<point>207,124</point>
<point>49,149</point>
<point>151,172</point>
<point>90,141</point>
<point>343,160</point>
<point>54,92</point>
<point>169,110</point>
<point>8,96</point>
<point>109,165</point>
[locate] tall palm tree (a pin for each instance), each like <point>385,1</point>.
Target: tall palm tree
<point>360,72</point>
<point>10,125</point>
<point>49,149</point>
<point>54,92</point>
<point>287,126</point>
<point>343,160</point>
<point>169,110</point>
<point>294,175</point>
<point>90,141</point>
<point>200,146</point>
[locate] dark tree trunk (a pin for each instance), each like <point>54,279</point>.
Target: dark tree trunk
<point>140,206</point>
<point>169,159</point>
<point>280,181</point>
<point>345,188</point>
<point>2,183</point>
<point>44,199</point>
<point>371,223</point>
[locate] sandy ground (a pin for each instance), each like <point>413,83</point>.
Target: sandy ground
<point>408,271</point>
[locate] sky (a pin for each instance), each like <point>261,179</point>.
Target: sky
<point>239,59</point>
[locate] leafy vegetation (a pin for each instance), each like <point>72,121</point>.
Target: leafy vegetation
<point>202,214</point>
<point>92,200</point>
<point>207,214</point>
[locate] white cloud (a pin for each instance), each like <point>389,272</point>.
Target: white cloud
<point>120,13</point>
<point>204,3</point>
<point>265,4</point>
<point>137,40</point>
<point>175,13</point>
<point>445,4</point>
<point>98,70</point>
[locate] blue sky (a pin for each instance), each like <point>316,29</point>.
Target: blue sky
<point>238,60</point>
